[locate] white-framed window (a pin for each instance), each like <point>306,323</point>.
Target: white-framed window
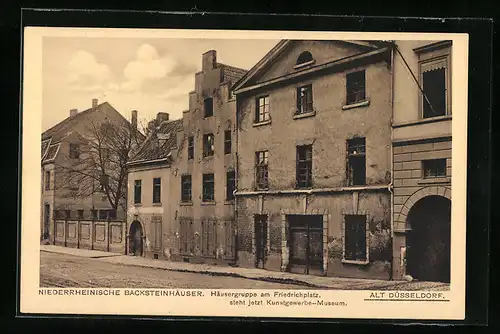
<point>435,80</point>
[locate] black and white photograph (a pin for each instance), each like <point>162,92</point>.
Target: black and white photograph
<point>215,162</point>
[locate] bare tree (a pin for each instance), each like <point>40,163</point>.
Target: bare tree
<point>97,161</point>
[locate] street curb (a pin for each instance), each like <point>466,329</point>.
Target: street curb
<point>85,257</point>
<point>235,275</point>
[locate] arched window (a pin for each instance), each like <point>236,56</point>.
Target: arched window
<point>304,57</point>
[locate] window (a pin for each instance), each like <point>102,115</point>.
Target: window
<point>208,188</point>
<point>262,109</point>
<point>304,99</point>
<point>230,184</point>
<point>74,151</point>
<point>186,235</point>
<point>227,142</point>
<point>103,214</point>
<point>47,180</point>
<point>80,214</point>
<point>355,87</point>
<point>261,169</point>
<point>157,190</point>
<point>434,168</point>
<point>68,214</point>
<point>208,238</point>
<point>208,145</point>
<point>304,57</point>
<point>137,191</point>
<point>356,162</point>
<point>186,188</point>
<point>355,238</point>
<point>94,214</point>
<point>58,214</point>
<point>190,148</point>
<point>208,106</point>
<point>434,86</point>
<point>304,166</point>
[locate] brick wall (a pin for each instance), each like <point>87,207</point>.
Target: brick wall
<point>195,124</point>
<point>408,178</point>
<point>410,187</point>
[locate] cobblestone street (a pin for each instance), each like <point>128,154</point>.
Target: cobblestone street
<point>71,267</point>
<point>62,270</point>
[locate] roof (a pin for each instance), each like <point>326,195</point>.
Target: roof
<point>232,74</point>
<point>166,135</point>
<point>67,121</point>
<point>283,45</point>
<point>60,130</point>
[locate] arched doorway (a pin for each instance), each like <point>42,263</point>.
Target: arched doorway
<point>428,241</point>
<point>136,237</point>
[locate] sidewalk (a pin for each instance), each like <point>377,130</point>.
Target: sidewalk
<point>76,251</point>
<point>318,282</point>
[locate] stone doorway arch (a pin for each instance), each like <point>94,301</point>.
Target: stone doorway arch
<point>428,239</point>
<point>136,244</point>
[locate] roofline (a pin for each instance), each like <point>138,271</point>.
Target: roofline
<point>317,68</point>
<point>144,162</point>
<point>281,45</point>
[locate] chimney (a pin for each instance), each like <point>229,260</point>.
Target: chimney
<point>161,117</point>
<point>95,102</point>
<point>134,119</point>
<point>73,112</point>
<point>209,60</point>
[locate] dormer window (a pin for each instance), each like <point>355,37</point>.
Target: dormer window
<point>304,59</point>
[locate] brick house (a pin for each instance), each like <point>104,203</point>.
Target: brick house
<point>198,225</point>
<point>422,159</point>
<point>204,168</point>
<point>314,159</point>
<point>149,199</point>
<point>62,149</point>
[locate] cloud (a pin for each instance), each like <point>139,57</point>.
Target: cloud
<point>85,73</point>
<point>147,66</point>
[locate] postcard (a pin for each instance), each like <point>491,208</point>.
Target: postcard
<point>243,173</point>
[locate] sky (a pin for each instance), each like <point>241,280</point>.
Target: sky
<point>147,75</point>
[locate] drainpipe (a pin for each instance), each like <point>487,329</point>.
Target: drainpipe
<point>236,178</point>
<point>392,160</point>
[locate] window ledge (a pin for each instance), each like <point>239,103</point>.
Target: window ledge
<point>208,156</point>
<point>137,204</point>
<point>360,104</point>
<point>157,204</point>
<point>304,115</point>
<point>423,121</point>
<point>229,202</point>
<point>434,180</point>
<point>261,123</point>
<point>307,63</point>
<point>358,262</point>
<point>186,204</point>
<point>208,203</point>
